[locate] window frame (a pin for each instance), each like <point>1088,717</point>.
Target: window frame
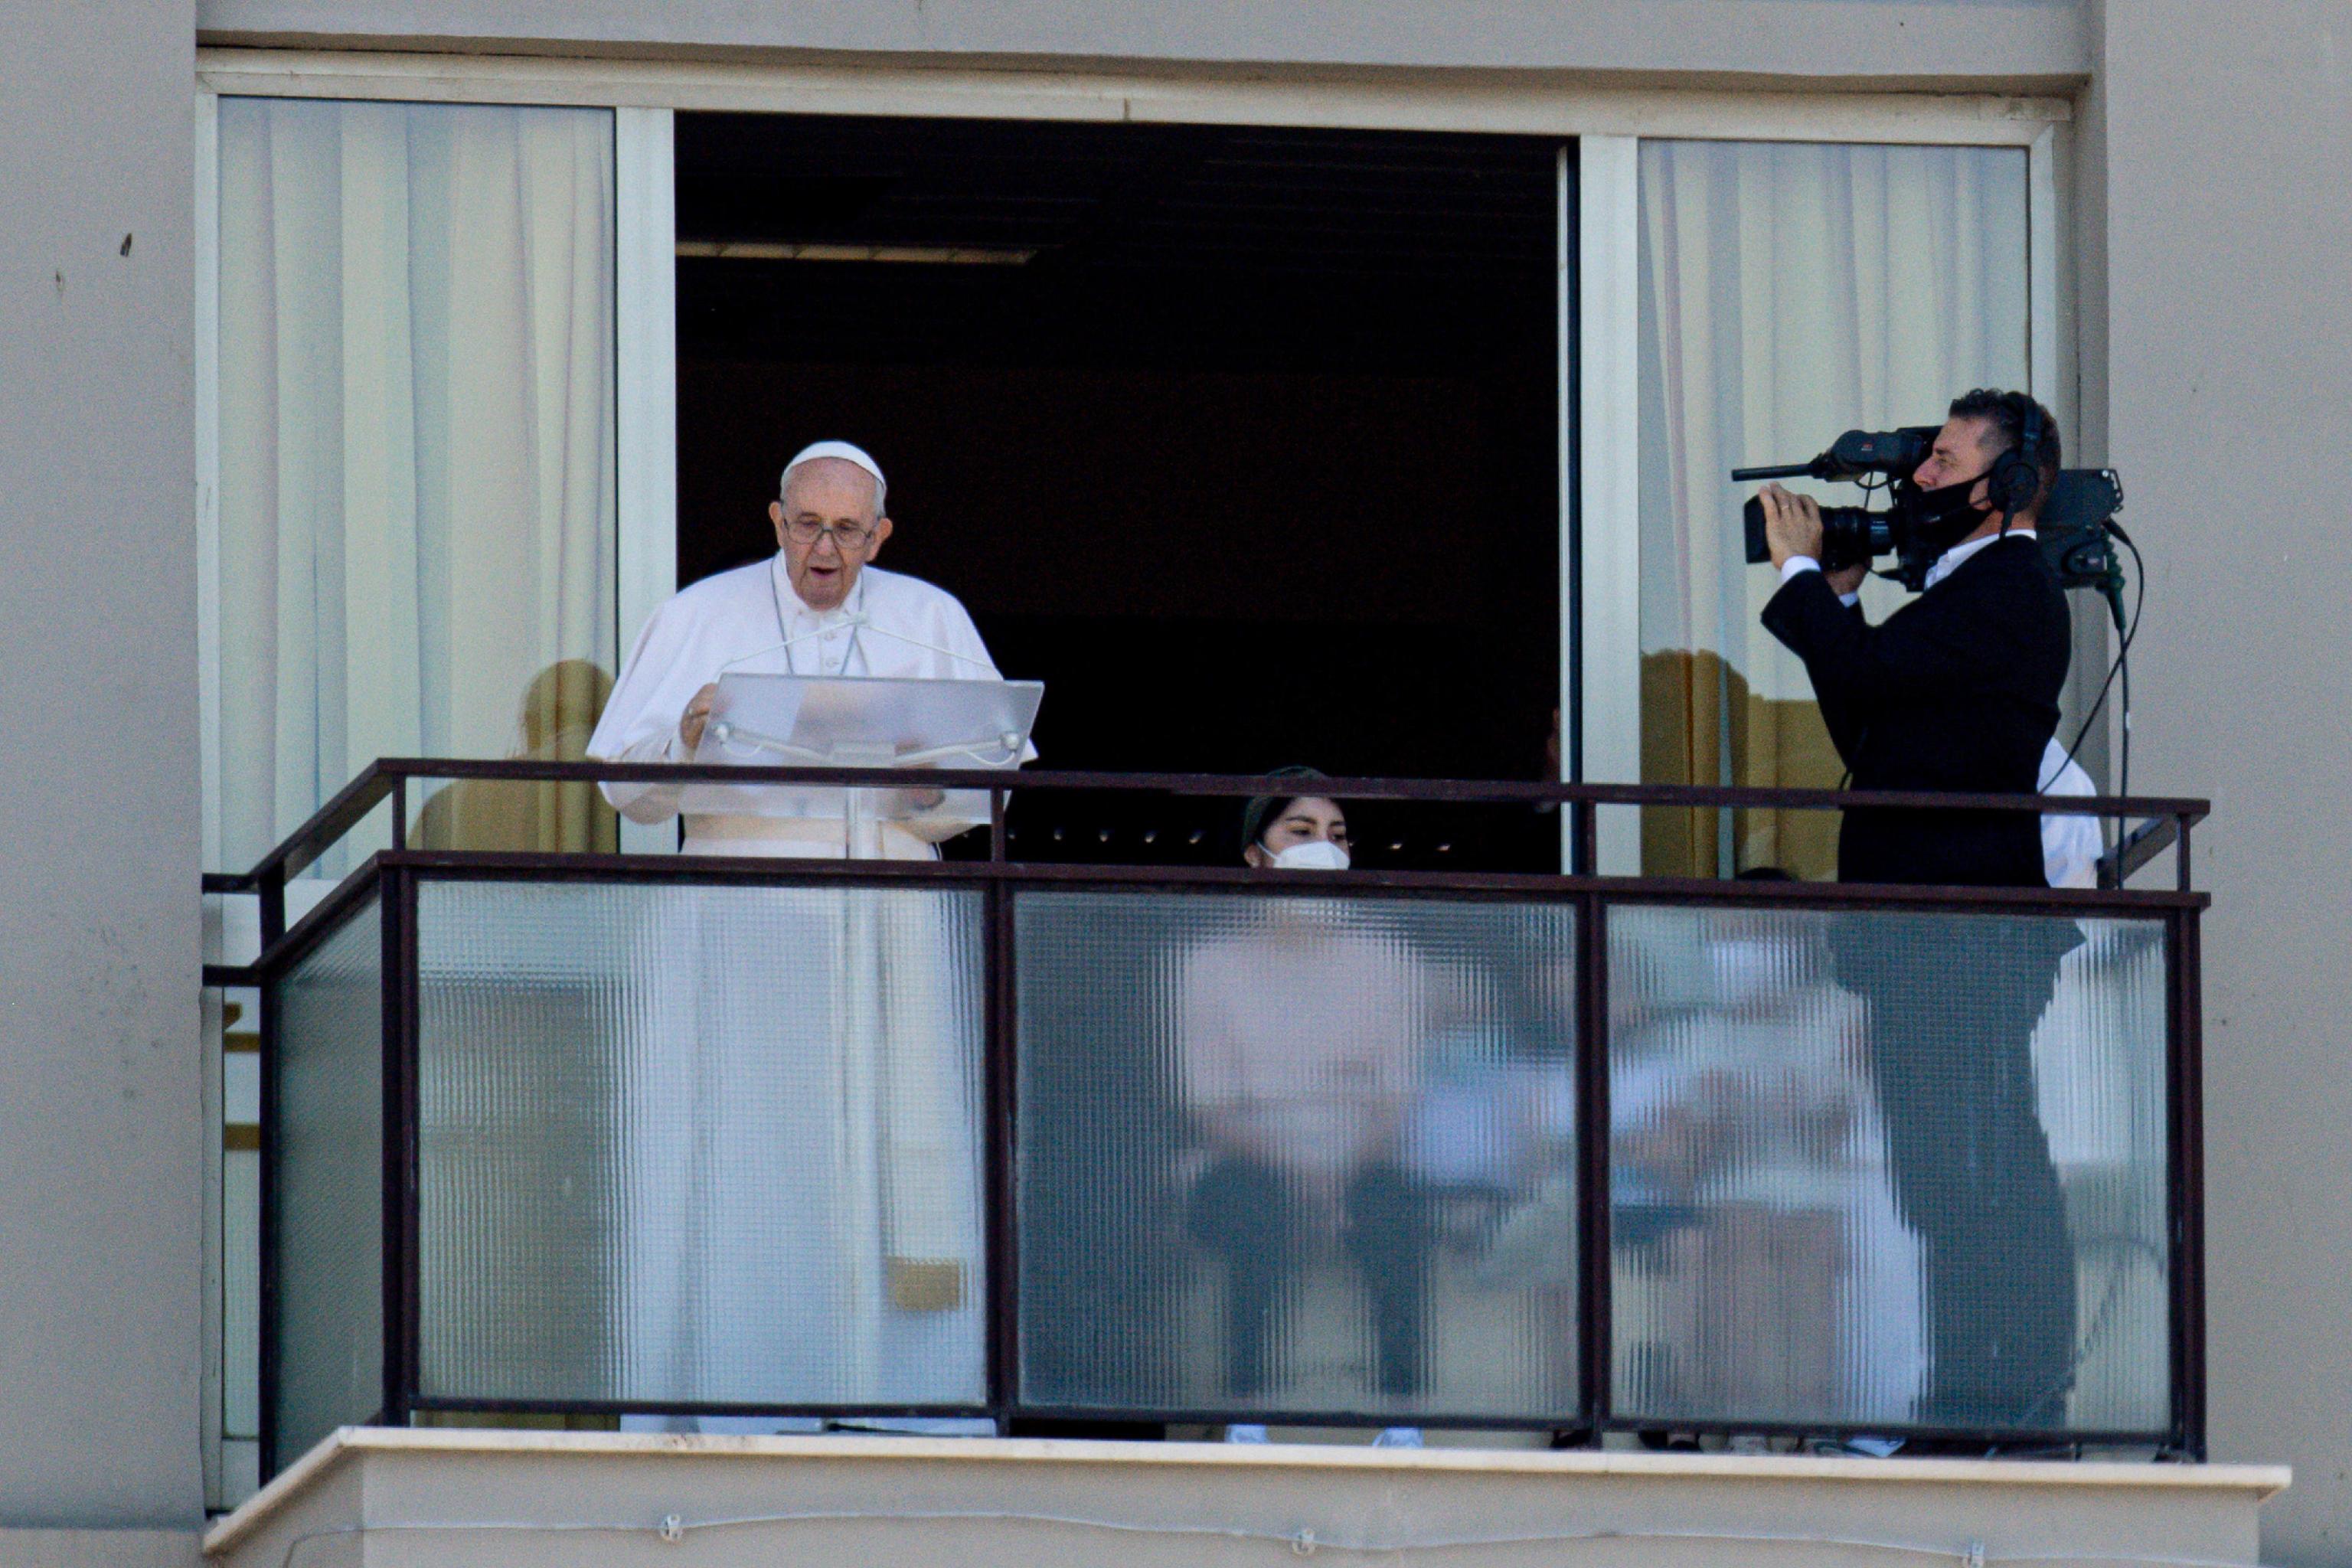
<point>1609,430</point>
<point>1600,404</point>
<point>1598,320</point>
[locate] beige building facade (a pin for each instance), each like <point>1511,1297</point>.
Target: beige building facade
<point>2187,312</point>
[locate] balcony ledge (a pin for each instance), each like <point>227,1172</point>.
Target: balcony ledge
<point>399,1496</point>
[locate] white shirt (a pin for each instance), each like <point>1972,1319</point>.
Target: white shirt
<point>2071,845</point>
<point>750,620</point>
<point>1950,560</point>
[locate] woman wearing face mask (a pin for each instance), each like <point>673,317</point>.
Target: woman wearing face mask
<point>1305,833</point>
<point>1303,1042</point>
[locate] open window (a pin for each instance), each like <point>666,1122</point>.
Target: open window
<point>1244,441</point>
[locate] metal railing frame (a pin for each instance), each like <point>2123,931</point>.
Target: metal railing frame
<point>391,877</point>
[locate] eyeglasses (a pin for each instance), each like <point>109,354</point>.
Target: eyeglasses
<point>849,538</point>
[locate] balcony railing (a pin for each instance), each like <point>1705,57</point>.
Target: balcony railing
<point>623,1135</point>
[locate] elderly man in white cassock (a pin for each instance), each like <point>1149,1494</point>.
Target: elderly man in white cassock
<point>805,1208</point>
<point>818,606</point>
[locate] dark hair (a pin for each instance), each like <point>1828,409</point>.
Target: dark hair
<point>2005,415</point>
<point>1262,806</point>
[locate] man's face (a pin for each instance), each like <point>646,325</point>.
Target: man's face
<point>1959,454</point>
<point>1304,820</point>
<point>828,505</point>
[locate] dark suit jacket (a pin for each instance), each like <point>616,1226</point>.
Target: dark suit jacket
<point>1956,691</point>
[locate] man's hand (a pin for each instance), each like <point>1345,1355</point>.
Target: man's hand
<point>1792,525</point>
<point>1848,579</point>
<point>696,714</point>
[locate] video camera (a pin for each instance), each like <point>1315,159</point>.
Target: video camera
<point>2075,526</point>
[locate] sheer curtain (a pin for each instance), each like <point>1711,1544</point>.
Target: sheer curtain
<point>416,498</point>
<point>1789,291</point>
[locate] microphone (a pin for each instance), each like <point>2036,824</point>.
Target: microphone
<point>866,621</point>
<point>854,619</point>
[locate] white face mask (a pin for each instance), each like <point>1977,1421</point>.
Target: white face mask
<point>1314,855</point>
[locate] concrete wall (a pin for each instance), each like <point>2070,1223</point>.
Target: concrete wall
<point>101,1548</point>
<point>2013,42</point>
<point>2215,158</point>
<point>2228,208</point>
<point>576,1499</point>
<point>101,1121</point>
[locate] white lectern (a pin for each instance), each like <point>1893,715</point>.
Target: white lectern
<point>851,722</point>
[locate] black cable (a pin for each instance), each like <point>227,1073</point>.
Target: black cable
<point>2120,667</point>
<point>2123,781</point>
<point>2123,658</point>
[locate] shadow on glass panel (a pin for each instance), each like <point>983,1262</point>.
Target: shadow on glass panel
<point>1887,1169</point>
<point>1296,1154</point>
<point>557,714</point>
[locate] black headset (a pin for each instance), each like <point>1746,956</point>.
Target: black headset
<point>2016,475</point>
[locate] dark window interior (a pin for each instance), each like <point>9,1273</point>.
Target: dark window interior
<point>1244,441</point>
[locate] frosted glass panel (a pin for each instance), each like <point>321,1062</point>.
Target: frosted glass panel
<point>329,1186</point>
<point>1296,1154</point>
<point>686,1145</point>
<point>1888,1169</point>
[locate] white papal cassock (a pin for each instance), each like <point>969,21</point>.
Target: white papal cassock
<point>805,1183</point>
<point>750,622</point>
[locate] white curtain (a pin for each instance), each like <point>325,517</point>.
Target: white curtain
<point>1789,291</point>
<point>415,395</point>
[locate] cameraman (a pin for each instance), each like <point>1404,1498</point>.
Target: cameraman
<point>1959,689</point>
<point>1956,691</point>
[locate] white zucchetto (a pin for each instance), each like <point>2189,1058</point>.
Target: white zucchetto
<point>842,450</point>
